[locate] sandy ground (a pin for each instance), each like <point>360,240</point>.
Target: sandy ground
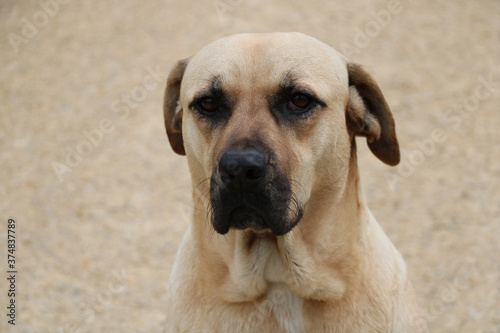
<point>95,240</point>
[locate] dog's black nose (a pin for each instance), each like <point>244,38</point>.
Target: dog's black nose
<point>242,170</point>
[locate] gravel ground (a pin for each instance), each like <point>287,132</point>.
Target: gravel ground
<point>100,202</point>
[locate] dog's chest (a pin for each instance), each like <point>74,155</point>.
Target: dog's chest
<point>280,302</point>
<point>283,307</point>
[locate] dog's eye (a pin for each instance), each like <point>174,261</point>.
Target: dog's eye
<point>298,102</point>
<point>208,104</point>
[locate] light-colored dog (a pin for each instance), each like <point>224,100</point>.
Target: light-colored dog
<point>282,239</point>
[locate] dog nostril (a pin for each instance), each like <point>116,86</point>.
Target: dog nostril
<point>226,177</point>
<point>255,174</point>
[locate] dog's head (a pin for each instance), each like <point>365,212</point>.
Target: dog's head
<point>267,121</point>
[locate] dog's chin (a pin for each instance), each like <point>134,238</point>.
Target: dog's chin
<point>245,218</point>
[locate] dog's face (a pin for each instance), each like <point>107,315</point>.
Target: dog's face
<point>266,121</point>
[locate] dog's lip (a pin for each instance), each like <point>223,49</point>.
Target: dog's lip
<point>253,219</point>
<point>263,227</point>
<point>259,223</point>
<point>246,220</point>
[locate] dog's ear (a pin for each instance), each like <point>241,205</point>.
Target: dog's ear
<point>369,115</point>
<point>172,110</point>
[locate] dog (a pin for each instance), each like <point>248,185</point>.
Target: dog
<point>282,239</point>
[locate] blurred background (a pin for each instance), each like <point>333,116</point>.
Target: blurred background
<point>101,202</point>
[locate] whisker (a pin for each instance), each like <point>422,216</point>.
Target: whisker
<point>298,185</point>
<point>204,180</point>
<point>204,201</point>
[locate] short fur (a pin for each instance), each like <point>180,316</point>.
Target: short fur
<point>336,271</point>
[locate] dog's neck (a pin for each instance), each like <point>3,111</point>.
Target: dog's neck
<point>319,259</point>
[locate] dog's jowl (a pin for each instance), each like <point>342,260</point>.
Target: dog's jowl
<point>281,238</point>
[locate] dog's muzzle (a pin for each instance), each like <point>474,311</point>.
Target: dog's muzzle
<point>247,191</point>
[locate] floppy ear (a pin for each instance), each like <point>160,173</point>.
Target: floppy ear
<point>369,115</point>
<point>171,110</point>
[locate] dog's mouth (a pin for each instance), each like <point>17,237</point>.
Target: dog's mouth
<point>278,222</point>
<point>247,218</point>
<point>248,191</point>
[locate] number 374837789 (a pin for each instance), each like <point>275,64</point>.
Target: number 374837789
<point>11,244</point>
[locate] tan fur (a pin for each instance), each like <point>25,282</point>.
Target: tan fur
<point>334,272</point>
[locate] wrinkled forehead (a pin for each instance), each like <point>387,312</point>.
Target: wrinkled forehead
<point>263,61</point>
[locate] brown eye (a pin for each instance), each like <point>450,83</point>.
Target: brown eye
<point>298,102</point>
<point>208,104</point>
